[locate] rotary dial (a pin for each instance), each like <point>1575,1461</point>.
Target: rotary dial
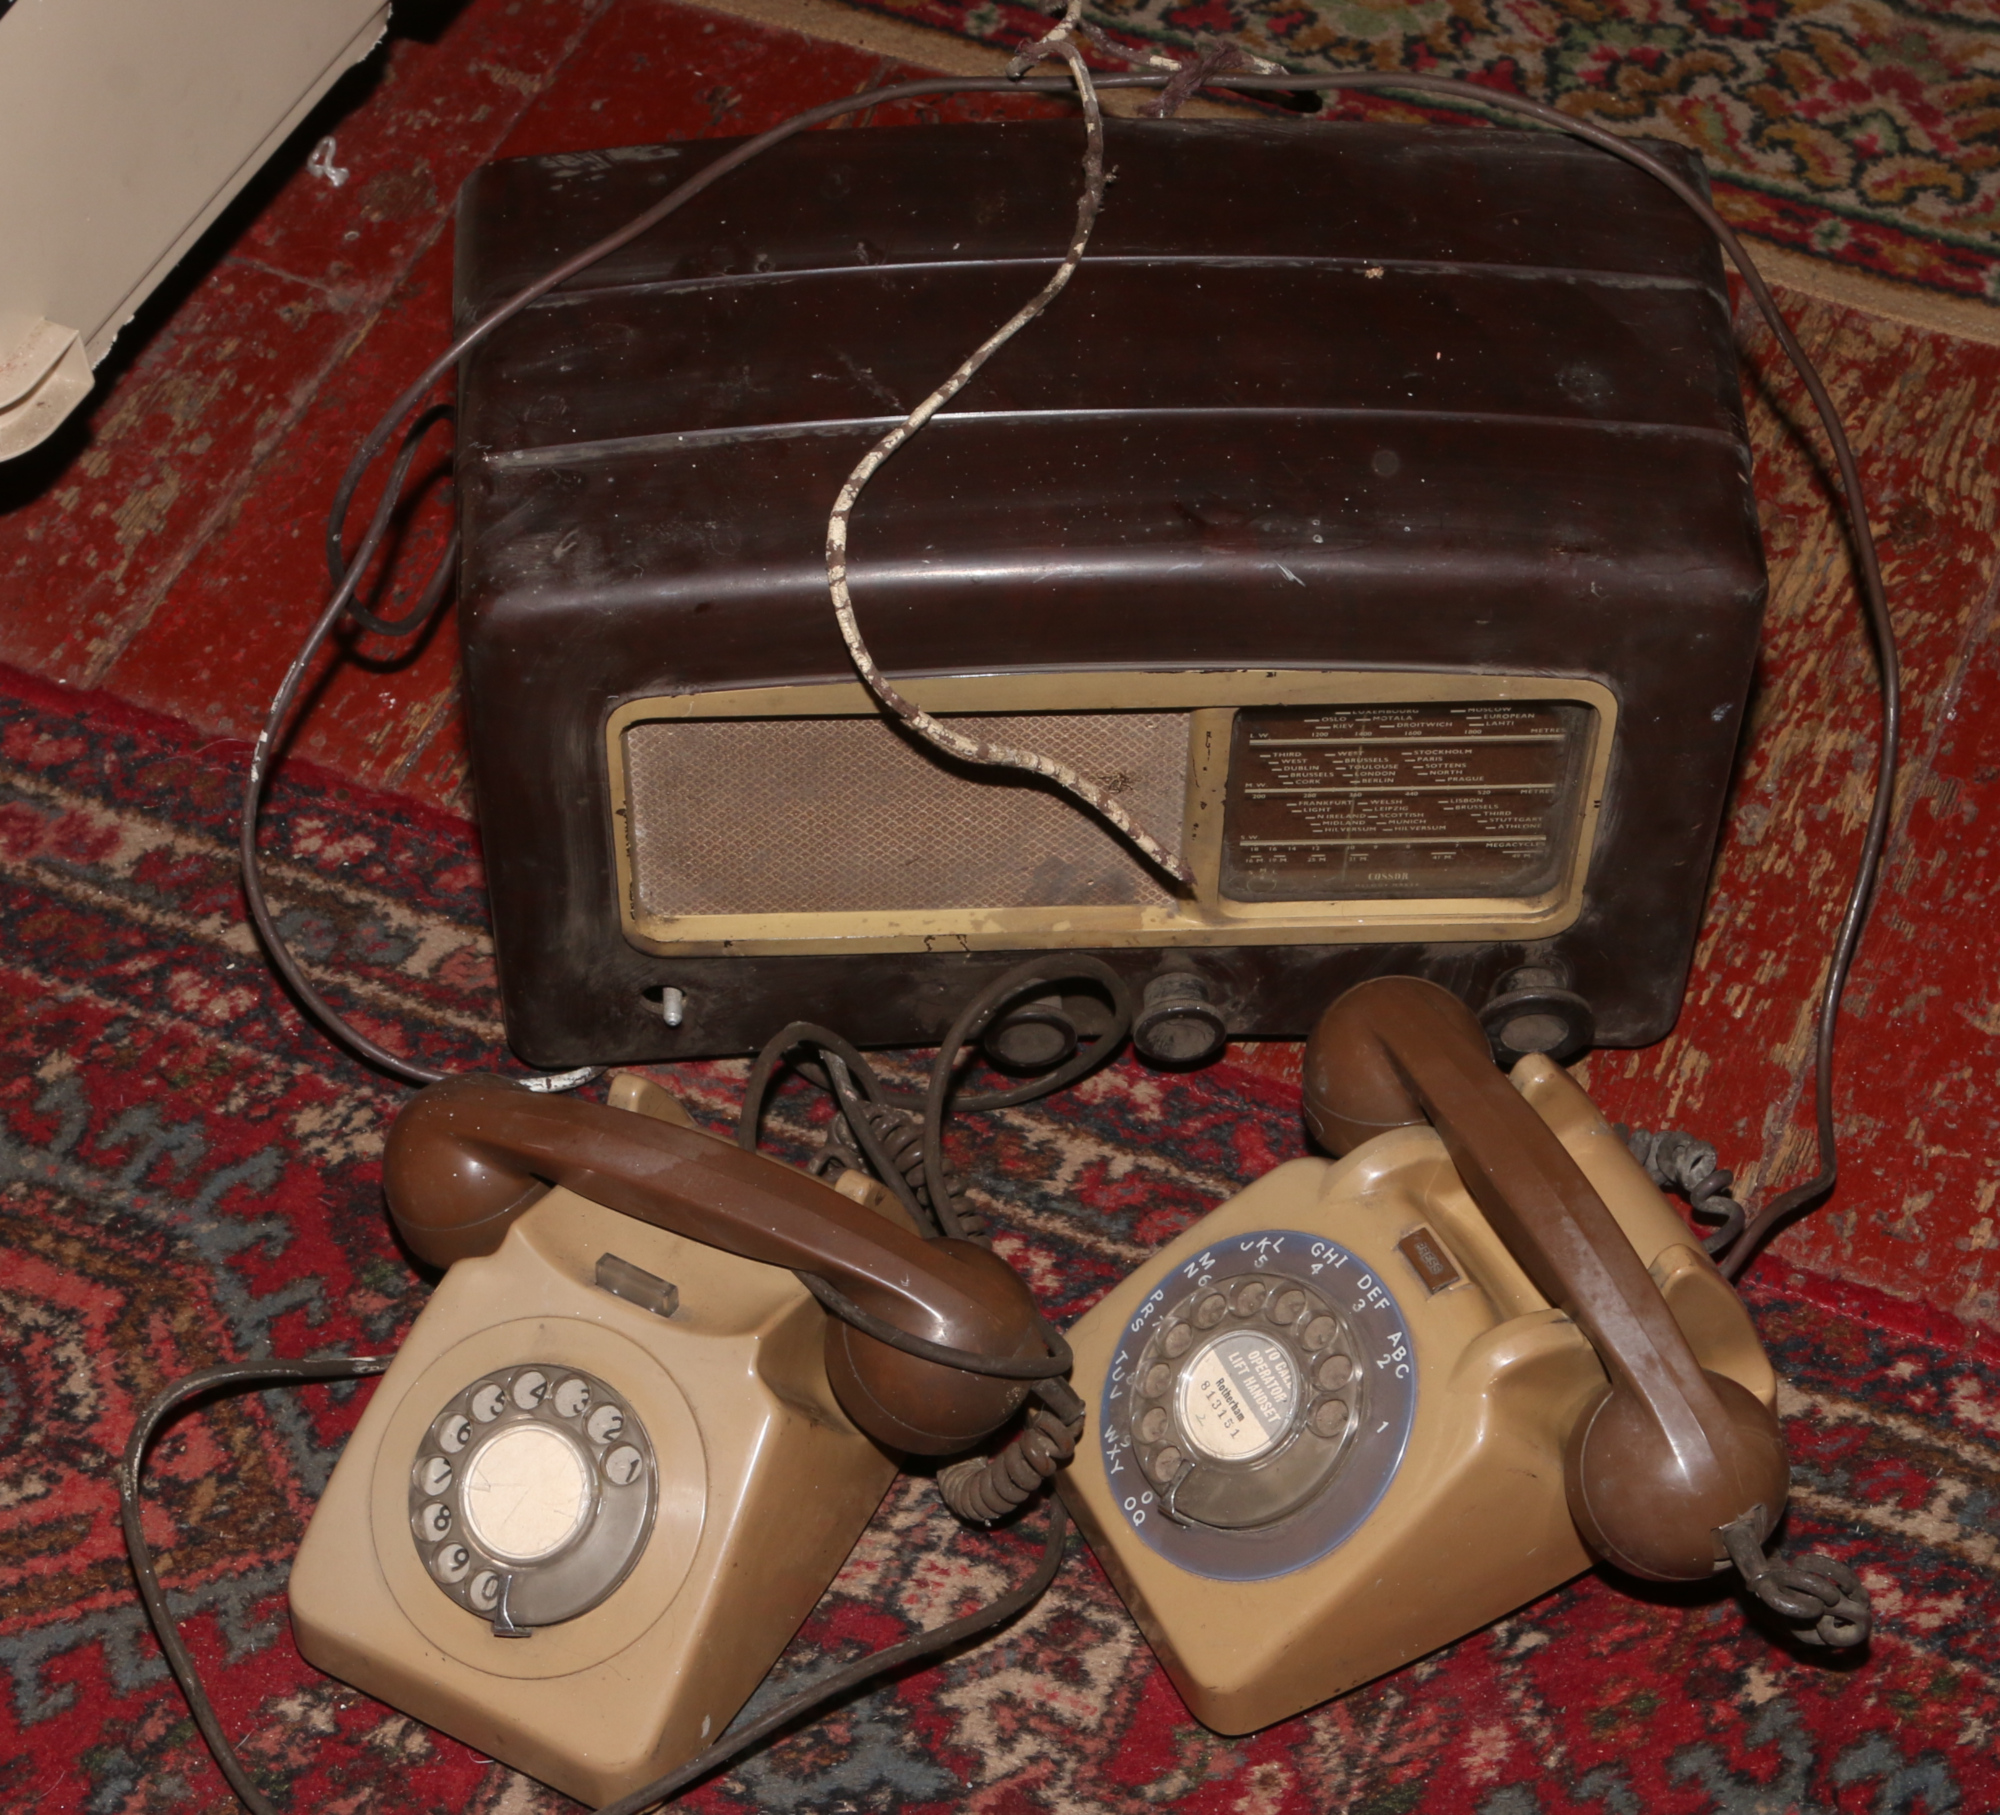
<point>1245,1396</point>
<point>532,1495</point>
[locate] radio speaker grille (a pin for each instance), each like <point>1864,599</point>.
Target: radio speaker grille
<point>833,815</point>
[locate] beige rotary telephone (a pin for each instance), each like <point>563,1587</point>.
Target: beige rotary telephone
<point>624,1450</point>
<point>1370,1405</point>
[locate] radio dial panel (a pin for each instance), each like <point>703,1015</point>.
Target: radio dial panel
<point>1400,802</point>
<point>1307,805</point>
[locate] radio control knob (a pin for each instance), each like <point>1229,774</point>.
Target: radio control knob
<point>1037,1036</point>
<point>1177,1024</point>
<point>1532,1009</point>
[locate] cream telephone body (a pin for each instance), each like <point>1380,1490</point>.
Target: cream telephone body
<point>624,1450</point>
<point>495,1451</point>
<point>1360,1410</point>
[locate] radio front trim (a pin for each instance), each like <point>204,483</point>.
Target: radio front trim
<point>1210,915</point>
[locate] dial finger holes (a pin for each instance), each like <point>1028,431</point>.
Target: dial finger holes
<point>451,1562</point>
<point>1287,1307</point>
<point>1249,1409</point>
<point>534,1492</point>
<point>1333,1373</point>
<point>1328,1418</point>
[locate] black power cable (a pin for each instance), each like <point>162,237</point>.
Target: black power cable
<point>439,582</point>
<point>940,1097</point>
<point>1035,978</point>
<point>852,1081</point>
<point>231,1377</point>
<point>979,1489</point>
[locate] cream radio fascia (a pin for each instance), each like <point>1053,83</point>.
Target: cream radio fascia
<point>1370,808</point>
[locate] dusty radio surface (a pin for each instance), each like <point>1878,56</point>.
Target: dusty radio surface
<point>1345,518</point>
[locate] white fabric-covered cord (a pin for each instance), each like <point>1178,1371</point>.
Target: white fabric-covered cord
<point>1058,43</point>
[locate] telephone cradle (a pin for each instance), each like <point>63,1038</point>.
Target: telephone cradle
<point>1335,1425</point>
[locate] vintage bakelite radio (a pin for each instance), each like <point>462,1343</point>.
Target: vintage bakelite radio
<point>1371,516</point>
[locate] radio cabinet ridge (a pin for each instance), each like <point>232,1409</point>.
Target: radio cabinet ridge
<point>1386,445</point>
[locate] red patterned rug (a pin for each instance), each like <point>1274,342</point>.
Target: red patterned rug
<point>188,1176</point>
<point>1865,132</point>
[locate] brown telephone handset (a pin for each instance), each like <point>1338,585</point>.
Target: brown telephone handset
<point>469,1156</point>
<point>1670,1452</point>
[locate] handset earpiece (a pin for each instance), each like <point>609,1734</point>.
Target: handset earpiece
<point>933,1344</point>
<point>1669,1453</point>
